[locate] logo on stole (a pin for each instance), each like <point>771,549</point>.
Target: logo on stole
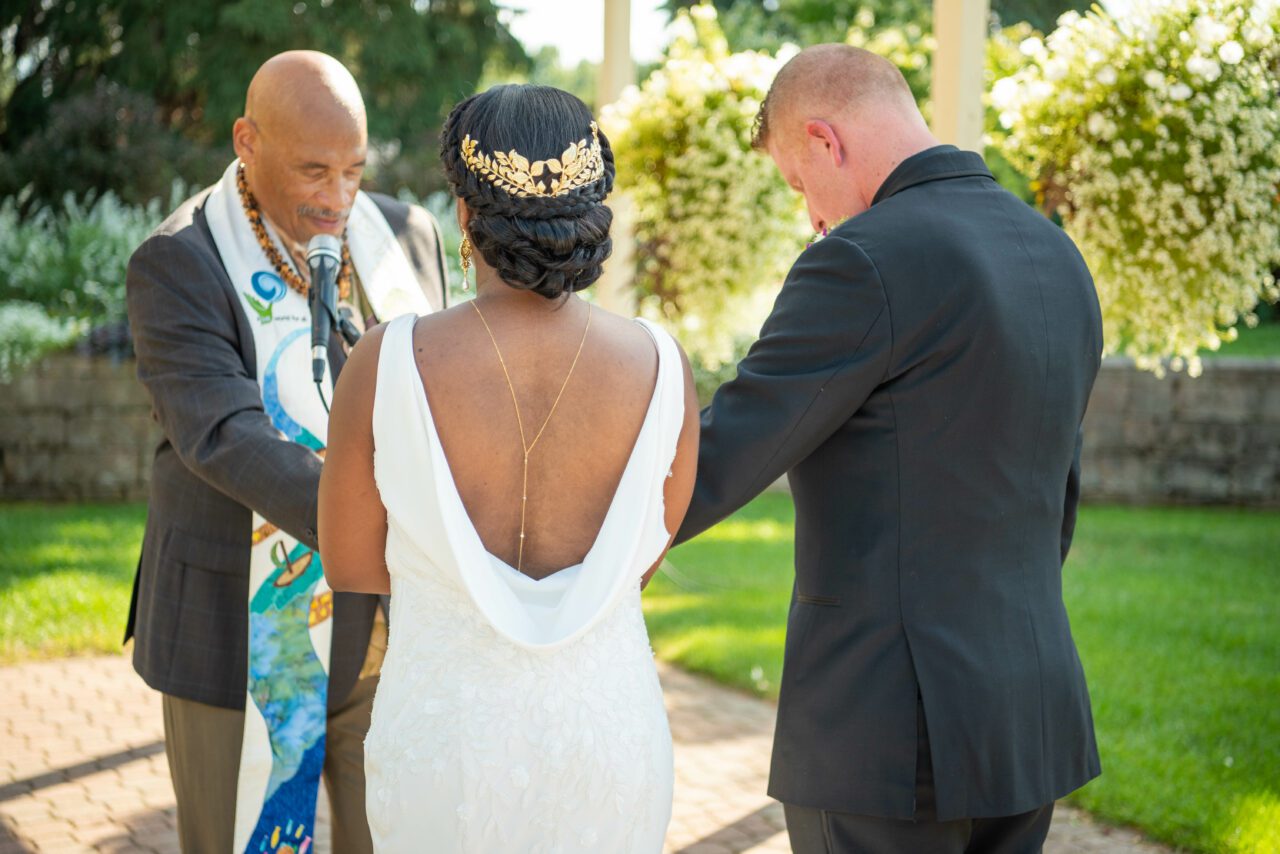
<point>270,289</point>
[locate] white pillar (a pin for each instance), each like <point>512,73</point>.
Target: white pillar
<point>960,27</point>
<point>617,72</point>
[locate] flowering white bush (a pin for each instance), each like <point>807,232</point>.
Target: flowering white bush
<point>716,226</point>
<point>72,259</point>
<point>27,332</point>
<point>1156,136</point>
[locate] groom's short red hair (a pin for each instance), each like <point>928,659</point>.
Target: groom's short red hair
<point>825,80</point>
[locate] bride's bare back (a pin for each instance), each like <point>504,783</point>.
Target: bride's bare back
<point>573,470</point>
<point>577,462</point>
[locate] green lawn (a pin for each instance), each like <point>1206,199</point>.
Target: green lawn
<point>1175,612</point>
<point>1176,615</point>
<point>1261,342</point>
<point>66,572</point>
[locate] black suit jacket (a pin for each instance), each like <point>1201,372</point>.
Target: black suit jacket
<point>221,459</point>
<point>922,378</point>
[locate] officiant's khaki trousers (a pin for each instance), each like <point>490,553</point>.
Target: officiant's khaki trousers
<point>203,746</point>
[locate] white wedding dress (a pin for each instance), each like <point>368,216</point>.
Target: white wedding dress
<point>515,715</point>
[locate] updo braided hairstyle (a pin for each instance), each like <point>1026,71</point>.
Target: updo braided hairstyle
<point>549,245</point>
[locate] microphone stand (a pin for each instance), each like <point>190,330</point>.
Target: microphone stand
<point>344,327</point>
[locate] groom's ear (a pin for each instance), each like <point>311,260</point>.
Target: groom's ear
<point>822,137</point>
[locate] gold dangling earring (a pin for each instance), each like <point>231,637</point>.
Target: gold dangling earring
<point>464,253</point>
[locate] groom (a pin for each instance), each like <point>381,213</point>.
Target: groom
<point>922,379</point>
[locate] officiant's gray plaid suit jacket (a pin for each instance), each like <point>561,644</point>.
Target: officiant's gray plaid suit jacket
<point>922,379</point>
<point>221,459</point>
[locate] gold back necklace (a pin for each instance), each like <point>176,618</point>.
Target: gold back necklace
<point>525,445</point>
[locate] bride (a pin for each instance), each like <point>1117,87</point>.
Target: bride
<point>520,461</point>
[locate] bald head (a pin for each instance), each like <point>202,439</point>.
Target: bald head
<point>829,82</point>
<point>304,88</point>
<point>303,140</point>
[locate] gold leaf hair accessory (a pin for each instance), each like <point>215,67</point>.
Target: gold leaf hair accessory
<point>579,165</point>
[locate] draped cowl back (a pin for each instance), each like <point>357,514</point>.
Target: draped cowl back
<point>429,530</point>
<point>515,714</point>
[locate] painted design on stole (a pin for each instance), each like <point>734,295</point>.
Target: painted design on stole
<point>270,289</point>
<point>287,681</point>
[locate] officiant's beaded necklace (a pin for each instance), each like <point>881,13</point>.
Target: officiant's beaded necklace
<point>526,446</point>
<point>284,270</point>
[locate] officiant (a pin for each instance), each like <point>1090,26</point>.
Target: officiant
<point>267,676</point>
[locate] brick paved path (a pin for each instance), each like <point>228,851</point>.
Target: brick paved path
<point>82,768</point>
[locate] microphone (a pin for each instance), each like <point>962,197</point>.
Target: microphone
<point>324,259</point>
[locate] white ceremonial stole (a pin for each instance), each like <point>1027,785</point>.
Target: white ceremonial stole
<point>290,605</point>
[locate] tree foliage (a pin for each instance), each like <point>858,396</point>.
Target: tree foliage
<point>545,67</point>
<point>1040,14</point>
<point>768,24</point>
<point>192,61</point>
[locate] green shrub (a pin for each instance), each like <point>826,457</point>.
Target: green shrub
<point>72,259</point>
<point>110,138</point>
<point>62,270</point>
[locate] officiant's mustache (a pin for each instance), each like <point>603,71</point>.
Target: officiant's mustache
<point>322,213</point>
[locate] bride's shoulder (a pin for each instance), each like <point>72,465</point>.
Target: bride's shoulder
<point>447,317</point>
<point>639,335</point>
<point>443,329</point>
<point>366,350</point>
<point>629,334</point>
<point>626,326</point>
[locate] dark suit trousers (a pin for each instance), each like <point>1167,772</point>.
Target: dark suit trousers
<point>814,831</point>
<point>203,747</point>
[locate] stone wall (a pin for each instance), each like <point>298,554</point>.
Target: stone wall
<point>1177,440</point>
<point>79,428</point>
<point>76,428</point>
